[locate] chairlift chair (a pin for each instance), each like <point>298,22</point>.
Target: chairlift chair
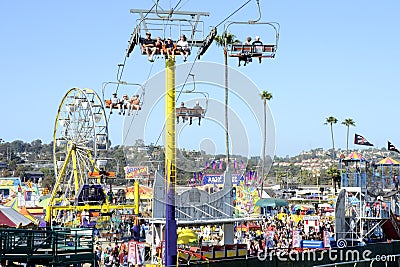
<point>140,92</point>
<point>256,50</point>
<point>196,112</point>
<point>158,22</point>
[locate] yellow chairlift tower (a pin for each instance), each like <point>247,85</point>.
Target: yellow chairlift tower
<point>163,24</point>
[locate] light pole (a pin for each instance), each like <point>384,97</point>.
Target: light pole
<point>287,178</point>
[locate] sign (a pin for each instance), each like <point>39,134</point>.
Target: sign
<point>213,179</point>
<point>310,218</point>
<point>237,178</point>
<point>136,252</point>
<point>10,181</point>
<point>134,172</point>
<point>219,179</point>
<point>327,241</point>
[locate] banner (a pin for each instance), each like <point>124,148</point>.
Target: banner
<point>327,241</point>
<point>134,172</point>
<point>136,252</point>
<point>296,239</point>
<point>219,179</point>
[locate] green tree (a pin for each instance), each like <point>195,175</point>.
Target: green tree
<point>334,173</point>
<point>224,40</point>
<point>348,122</point>
<point>265,96</point>
<point>331,121</point>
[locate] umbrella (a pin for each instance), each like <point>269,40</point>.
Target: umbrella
<point>271,202</point>
<point>324,205</point>
<point>353,157</point>
<point>144,192</point>
<point>329,209</point>
<point>12,218</point>
<point>303,207</point>
<point>388,161</point>
<point>186,236</point>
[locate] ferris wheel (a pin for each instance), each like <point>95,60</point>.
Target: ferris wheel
<point>80,143</point>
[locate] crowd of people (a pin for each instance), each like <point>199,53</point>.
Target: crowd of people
<point>119,234</point>
<point>273,233</point>
<point>110,255</point>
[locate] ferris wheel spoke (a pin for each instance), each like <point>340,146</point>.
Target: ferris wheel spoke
<point>80,119</point>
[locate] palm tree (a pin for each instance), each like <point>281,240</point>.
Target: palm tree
<point>224,40</point>
<point>265,95</point>
<point>331,121</point>
<point>348,122</point>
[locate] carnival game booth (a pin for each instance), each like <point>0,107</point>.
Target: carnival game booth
<point>384,173</point>
<point>353,171</point>
<point>270,203</point>
<point>21,194</point>
<point>10,218</point>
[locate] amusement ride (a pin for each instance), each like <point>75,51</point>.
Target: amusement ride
<point>81,138</point>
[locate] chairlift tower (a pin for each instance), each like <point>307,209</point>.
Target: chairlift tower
<point>188,23</point>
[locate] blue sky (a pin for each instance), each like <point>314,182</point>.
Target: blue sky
<point>337,58</point>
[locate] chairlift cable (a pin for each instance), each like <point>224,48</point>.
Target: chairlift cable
<point>123,66</point>
<point>120,73</point>
<point>142,101</point>
<point>177,98</point>
<point>233,13</point>
<point>176,6</point>
<point>187,77</point>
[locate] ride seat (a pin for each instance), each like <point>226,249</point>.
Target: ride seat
<point>108,103</point>
<point>190,112</point>
<point>164,49</point>
<point>265,50</point>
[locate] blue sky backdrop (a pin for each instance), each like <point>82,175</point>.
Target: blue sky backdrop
<point>337,58</point>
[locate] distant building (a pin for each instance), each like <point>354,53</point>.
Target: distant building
<point>33,176</point>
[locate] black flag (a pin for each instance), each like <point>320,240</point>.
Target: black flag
<point>360,140</point>
<point>391,147</point>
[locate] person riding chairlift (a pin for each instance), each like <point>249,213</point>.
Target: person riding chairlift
<point>183,47</point>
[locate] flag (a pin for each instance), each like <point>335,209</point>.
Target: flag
<point>220,164</point>
<point>235,164</point>
<point>391,147</point>
<point>242,165</point>
<point>193,181</point>
<point>360,140</point>
<point>249,176</point>
<point>207,165</point>
<point>214,165</point>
